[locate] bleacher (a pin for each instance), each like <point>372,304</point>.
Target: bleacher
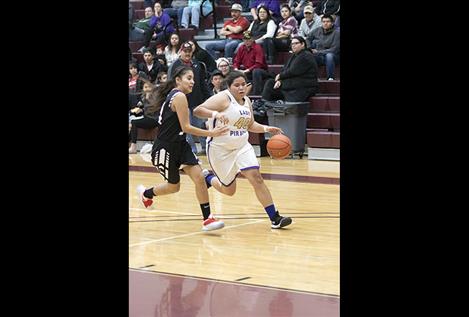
<point>323,120</point>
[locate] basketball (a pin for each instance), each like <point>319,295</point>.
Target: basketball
<point>279,146</point>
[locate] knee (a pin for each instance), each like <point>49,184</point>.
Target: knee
<point>257,179</point>
<point>330,57</point>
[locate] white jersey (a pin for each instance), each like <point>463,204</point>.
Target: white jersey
<point>231,153</point>
<point>239,117</point>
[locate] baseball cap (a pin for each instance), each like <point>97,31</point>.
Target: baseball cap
<point>308,9</point>
<point>247,35</point>
<point>185,46</point>
<point>236,6</point>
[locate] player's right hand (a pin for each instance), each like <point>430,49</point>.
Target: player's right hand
<point>219,130</point>
<point>222,118</point>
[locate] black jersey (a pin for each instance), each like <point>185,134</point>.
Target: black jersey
<point>169,127</point>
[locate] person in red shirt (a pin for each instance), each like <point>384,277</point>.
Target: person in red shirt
<point>250,60</point>
<point>233,30</point>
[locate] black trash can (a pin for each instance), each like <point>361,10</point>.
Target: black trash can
<point>291,118</point>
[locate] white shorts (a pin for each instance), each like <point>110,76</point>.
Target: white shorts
<point>226,164</point>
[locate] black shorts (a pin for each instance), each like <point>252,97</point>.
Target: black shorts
<point>168,157</point>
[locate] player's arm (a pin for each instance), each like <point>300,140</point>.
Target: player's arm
<point>256,127</point>
<point>212,107</point>
<point>182,109</point>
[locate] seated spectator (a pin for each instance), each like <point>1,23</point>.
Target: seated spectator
<point>310,23</point>
<point>135,84</point>
<point>287,29</point>
<point>149,66</point>
<point>272,5</point>
<point>224,66</point>
<point>192,11</point>
<point>171,51</point>
<point>263,27</point>
<point>142,117</point>
<point>161,57</point>
<point>215,81</point>
<point>176,9</point>
<point>250,60</point>
<point>325,43</point>
<point>160,28</point>
<point>329,7</point>
<point>297,8</point>
<point>161,78</point>
<point>233,30</point>
<point>137,33</point>
<point>203,56</point>
<point>298,80</point>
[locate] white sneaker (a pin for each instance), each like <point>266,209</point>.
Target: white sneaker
<point>330,78</point>
<point>141,49</point>
<point>212,224</point>
<point>146,202</point>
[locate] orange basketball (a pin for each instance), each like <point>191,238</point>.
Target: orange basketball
<point>279,146</point>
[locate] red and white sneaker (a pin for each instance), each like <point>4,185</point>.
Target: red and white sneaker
<point>212,224</point>
<point>146,202</point>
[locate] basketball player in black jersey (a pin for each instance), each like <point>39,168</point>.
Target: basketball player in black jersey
<point>171,152</point>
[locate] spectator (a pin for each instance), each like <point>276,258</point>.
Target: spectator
<point>326,45</point>
<point>161,78</point>
<point>299,78</point>
<point>203,56</point>
<point>224,66</point>
<point>140,27</point>
<point>176,10</point>
<point>147,119</point>
<point>250,60</point>
<point>297,7</point>
<point>272,5</point>
<point>310,23</point>
<point>192,11</point>
<point>199,93</point>
<point>263,27</point>
<point>171,51</point>
<point>215,81</point>
<point>135,84</point>
<point>233,30</point>
<point>161,57</point>
<point>160,26</point>
<point>149,67</point>
<point>287,29</point>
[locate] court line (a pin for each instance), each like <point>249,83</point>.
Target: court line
<point>266,176</point>
<point>191,234</point>
<point>239,218</point>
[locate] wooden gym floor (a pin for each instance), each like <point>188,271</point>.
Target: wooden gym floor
<point>293,270</point>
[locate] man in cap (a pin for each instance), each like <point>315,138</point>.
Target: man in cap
<point>310,22</point>
<point>233,30</point>
<point>250,59</point>
<point>199,93</point>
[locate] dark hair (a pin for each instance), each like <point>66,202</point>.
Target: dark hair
<point>266,9</point>
<point>300,39</point>
<point>197,47</point>
<point>327,16</point>
<point>133,65</point>
<point>159,94</point>
<point>178,46</point>
<point>158,77</point>
<point>230,78</point>
<point>286,6</point>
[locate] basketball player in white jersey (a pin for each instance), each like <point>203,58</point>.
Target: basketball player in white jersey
<point>231,153</point>
<point>171,152</point>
